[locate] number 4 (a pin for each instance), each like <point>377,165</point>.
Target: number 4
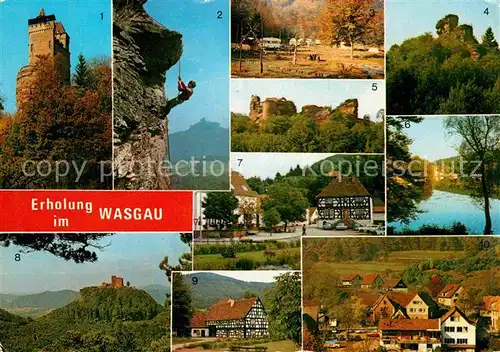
<point>487,11</point>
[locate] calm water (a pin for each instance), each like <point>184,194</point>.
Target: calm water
<point>443,208</point>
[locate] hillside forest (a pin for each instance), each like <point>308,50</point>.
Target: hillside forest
<point>340,133</point>
<point>451,73</point>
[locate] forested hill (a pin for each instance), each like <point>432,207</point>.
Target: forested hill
<point>202,139</point>
<point>121,318</point>
<point>47,299</point>
<point>451,73</point>
<point>210,288</point>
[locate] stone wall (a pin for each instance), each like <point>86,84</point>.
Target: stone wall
<point>143,50</point>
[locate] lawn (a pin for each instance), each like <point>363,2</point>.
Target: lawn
<point>282,346</point>
<point>397,262</point>
<point>216,261</point>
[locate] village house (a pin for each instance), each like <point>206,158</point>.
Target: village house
<point>458,331</point>
<point>346,200</point>
<point>312,215</point>
<point>351,280</point>
<point>420,335</point>
<point>388,305</point>
<point>422,306</point>
<point>394,304</point>
<point>449,295</point>
<point>395,285</point>
<point>247,198</point>
<point>372,281</point>
<point>490,308</point>
<point>244,318</point>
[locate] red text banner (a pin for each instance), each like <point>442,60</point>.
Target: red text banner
<point>96,211</point>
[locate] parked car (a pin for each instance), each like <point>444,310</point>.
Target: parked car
<point>327,226</point>
<point>332,344</point>
<point>367,229</point>
<point>341,226</point>
<point>380,231</point>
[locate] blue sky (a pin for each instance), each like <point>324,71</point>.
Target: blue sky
<point>89,34</point>
<point>135,257</point>
<point>205,58</point>
<point>304,92</point>
<point>406,19</point>
<point>430,140</point>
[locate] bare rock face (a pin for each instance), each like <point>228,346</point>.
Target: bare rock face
<point>143,50</point>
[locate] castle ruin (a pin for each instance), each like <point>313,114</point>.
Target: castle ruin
<point>46,38</point>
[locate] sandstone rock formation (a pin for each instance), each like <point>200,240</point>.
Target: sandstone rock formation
<point>261,111</point>
<point>143,50</point>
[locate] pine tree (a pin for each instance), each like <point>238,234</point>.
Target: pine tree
<point>489,39</point>
<point>82,75</point>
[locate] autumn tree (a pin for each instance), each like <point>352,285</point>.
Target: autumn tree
<point>61,126</point>
<point>247,209</point>
<point>480,140</point>
<point>345,21</point>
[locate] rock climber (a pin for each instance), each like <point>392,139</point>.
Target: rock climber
<point>185,92</point>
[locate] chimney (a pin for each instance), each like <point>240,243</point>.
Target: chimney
<point>231,302</point>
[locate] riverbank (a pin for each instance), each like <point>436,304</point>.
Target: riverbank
<point>457,190</point>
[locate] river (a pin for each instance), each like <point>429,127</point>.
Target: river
<point>444,208</point>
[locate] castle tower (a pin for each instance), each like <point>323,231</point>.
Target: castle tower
<point>46,37</point>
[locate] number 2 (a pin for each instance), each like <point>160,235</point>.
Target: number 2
<point>219,15</point>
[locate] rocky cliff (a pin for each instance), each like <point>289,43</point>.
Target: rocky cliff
<point>261,111</point>
<point>143,50</point>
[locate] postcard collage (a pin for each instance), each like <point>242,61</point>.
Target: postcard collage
<point>342,157</point>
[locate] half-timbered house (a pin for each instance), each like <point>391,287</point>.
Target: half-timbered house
<point>244,318</point>
<point>345,199</point>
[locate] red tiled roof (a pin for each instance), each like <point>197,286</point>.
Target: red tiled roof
<point>408,324</point>
<point>448,291</point>
<point>229,309</point>
<point>60,28</point>
<point>368,298</point>
<point>369,279</point>
<point>349,277</point>
<point>198,320</point>
<point>344,187</point>
<point>401,298</point>
<point>391,283</point>
<point>488,302</point>
<point>240,185</point>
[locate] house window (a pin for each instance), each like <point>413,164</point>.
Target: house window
<point>449,328</point>
<point>449,341</point>
<point>462,341</point>
<point>452,319</point>
<point>420,309</point>
<point>459,329</point>
<point>466,329</point>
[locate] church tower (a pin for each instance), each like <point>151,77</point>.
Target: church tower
<point>46,37</point>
